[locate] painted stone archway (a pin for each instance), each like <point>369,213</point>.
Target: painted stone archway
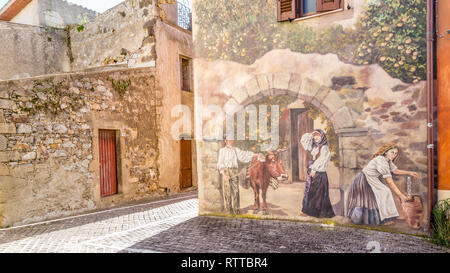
<point>296,86</point>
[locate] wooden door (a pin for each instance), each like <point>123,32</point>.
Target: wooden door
<point>108,162</point>
<point>305,125</point>
<point>186,163</point>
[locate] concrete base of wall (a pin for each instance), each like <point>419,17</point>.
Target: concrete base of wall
<point>443,194</point>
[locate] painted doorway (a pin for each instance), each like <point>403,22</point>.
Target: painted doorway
<point>185,163</point>
<point>301,123</point>
<point>108,162</point>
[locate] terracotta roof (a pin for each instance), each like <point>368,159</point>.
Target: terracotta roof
<point>12,8</point>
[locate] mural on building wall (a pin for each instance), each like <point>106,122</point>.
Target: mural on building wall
<point>340,93</point>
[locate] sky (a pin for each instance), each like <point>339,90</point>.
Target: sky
<point>97,5</point>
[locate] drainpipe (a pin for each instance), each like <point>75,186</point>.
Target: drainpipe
<point>430,106</point>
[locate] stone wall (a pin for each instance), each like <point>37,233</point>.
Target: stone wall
<point>123,34</point>
<point>49,161</point>
<point>60,13</point>
<point>28,51</point>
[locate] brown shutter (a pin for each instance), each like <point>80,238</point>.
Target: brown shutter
<point>326,5</point>
<point>286,10</point>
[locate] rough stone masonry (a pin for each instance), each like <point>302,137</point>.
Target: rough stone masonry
<point>49,161</point>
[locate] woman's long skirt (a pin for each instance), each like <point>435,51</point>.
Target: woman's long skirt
<point>362,207</point>
<point>316,201</point>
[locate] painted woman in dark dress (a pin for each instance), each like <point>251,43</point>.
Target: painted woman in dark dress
<point>316,200</point>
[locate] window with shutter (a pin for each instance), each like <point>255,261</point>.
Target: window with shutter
<point>286,10</point>
<point>292,9</point>
<point>326,5</point>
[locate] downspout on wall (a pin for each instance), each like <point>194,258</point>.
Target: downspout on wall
<point>430,105</point>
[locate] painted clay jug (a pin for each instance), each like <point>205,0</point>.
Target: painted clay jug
<point>414,212</point>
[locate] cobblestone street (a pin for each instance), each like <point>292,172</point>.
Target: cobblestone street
<point>173,226</point>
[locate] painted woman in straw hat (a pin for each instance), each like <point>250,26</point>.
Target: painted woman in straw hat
<point>370,201</point>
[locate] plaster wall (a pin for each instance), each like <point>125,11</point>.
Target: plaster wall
<point>443,82</point>
<point>29,15</point>
<point>28,51</point>
<point>52,13</point>
<point>362,70</point>
<point>171,43</point>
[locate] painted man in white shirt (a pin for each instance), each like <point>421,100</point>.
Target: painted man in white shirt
<point>228,168</point>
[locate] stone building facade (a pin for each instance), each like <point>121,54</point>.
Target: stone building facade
<point>50,125</point>
<point>358,72</point>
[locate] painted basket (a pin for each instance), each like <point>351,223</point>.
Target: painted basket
<point>414,212</point>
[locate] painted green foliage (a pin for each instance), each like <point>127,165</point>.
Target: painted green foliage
<point>391,33</point>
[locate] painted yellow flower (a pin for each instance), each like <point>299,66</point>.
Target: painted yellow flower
<point>408,41</point>
<point>385,28</point>
<point>383,59</point>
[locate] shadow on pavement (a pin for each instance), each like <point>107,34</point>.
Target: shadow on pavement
<point>14,234</point>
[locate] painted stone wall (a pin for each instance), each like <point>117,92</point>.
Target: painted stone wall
<point>28,51</point>
<point>361,79</point>
<point>49,159</point>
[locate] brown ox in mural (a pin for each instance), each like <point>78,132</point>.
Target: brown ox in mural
<point>264,172</point>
